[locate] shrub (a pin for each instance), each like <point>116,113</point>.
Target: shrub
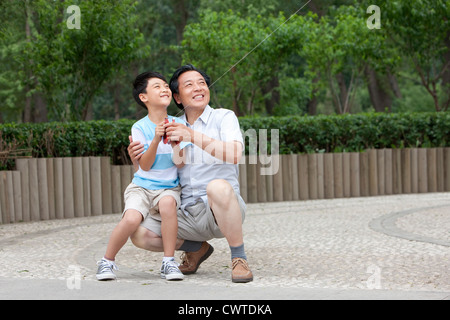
<point>298,134</point>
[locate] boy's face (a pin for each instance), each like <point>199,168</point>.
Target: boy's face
<point>158,93</point>
<point>193,90</point>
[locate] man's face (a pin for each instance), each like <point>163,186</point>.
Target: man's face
<point>193,91</point>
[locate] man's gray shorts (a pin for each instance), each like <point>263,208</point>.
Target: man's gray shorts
<point>199,225</point>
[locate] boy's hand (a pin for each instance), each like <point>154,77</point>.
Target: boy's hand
<point>160,131</point>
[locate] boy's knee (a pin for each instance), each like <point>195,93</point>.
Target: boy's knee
<point>132,217</point>
<point>167,205</point>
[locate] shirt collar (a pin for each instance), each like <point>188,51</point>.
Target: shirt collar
<point>204,116</point>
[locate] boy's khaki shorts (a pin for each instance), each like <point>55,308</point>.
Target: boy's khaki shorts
<point>146,201</point>
<point>199,225</point>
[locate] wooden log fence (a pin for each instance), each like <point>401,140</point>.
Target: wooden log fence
<point>59,188</point>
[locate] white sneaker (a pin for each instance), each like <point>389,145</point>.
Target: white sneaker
<point>106,269</point>
<point>170,271</point>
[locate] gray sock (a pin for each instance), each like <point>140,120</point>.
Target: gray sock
<point>238,252</point>
<point>190,246</point>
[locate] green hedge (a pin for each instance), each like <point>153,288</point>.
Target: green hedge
<point>297,134</point>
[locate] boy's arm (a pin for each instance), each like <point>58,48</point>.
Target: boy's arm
<point>148,158</point>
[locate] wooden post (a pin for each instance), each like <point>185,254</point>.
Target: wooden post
<point>338,175</point>
<point>51,187</point>
<point>69,205</point>
<point>261,189</point>
<point>252,192</point>
<point>447,169</point>
<point>34,190</point>
<point>96,186</point>
<point>117,195</point>
<point>431,170</point>
<point>278,182</point>
<point>59,187</point>
<point>355,175</point>
<point>320,177</point>
<point>422,164</point>
<point>388,176</point>
<point>106,185</point>
<point>346,175</point>
<point>414,170</point>
<point>397,171</point>
<point>381,172</point>
<point>17,192</point>
<point>406,170</point>
<point>302,161</point>
<point>312,176</point>
<point>364,173</point>
<point>440,169</point>
<point>78,203</point>
<point>286,176</point>
<point>243,180</point>
<point>87,205</point>
<point>44,213</point>
<point>328,175</point>
<point>294,177</point>
<point>373,172</point>
<point>22,166</point>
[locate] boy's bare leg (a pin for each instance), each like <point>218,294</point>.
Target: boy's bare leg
<point>169,224</point>
<point>126,227</point>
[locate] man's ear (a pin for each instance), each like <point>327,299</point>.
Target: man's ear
<point>176,96</point>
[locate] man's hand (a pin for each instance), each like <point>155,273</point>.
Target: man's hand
<point>135,150</point>
<point>177,132</point>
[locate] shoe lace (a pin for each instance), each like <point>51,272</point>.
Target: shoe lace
<point>171,266</point>
<point>184,259</point>
<point>105,264</point>
<point>240,261</point>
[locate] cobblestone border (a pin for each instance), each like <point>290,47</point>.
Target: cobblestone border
<point>387,225</point>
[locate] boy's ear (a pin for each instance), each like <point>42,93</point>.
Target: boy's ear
<point>143,97</point>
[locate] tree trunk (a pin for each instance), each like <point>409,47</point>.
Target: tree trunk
<point>274,100</point>
<point>381,100</point>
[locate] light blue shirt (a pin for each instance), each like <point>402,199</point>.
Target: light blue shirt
<point>163,173</point>
<point>201,168</point>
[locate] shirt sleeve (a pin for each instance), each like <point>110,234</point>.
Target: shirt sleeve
<point>138,135</point>
<point>230,129</point>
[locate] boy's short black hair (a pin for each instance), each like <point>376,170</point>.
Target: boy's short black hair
<point>140,85</point>
<point>174,80</point>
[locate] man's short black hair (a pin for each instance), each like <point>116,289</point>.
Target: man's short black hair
<point>174,80</point>
<point>140,85</point>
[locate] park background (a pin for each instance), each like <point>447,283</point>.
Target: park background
<point>360,109</point>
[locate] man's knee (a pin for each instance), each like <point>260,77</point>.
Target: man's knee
<point>142,237</point>
<point>220,191</point>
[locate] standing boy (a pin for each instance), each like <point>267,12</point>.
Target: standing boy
<point>155,188</point>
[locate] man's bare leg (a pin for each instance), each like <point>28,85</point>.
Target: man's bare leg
<point>225,207</point>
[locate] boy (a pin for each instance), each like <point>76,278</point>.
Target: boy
<point>155,188</point>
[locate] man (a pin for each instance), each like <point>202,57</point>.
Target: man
<point>211,205</point>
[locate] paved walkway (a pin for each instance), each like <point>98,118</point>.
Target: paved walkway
<point>394,247</point>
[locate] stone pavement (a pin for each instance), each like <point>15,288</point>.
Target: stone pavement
<point>391,247</point>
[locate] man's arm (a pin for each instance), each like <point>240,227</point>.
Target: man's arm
<point>230,152</point>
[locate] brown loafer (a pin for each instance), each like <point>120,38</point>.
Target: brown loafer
<point>192,260</point>
<point>241,272</point>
